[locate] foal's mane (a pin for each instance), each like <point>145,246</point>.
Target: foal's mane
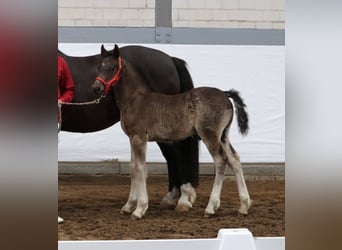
<point>128,68</point>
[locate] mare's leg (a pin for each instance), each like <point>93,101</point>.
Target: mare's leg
<point>138,197</point>
<point>235,165</point>
<point>182,159</point>
<point>190,167</point>
<point>173,156</point>
<point>191,159</point>
<point>187,198</point>
<point>189,170</point>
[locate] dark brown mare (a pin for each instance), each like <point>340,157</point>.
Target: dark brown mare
<point>149,116</point>
<point>164,74</point>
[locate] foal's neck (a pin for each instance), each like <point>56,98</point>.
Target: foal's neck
<point>130,86</point>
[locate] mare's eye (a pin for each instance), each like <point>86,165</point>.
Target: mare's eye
<point>111,69</point>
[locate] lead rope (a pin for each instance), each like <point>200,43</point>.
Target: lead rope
<point>95,101</point>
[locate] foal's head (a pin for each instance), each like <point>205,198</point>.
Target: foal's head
<point>109,71</point>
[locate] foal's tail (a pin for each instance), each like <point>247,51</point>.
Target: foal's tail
<point>242,116</point>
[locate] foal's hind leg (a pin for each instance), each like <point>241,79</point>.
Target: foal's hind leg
<point>138,198</point>
<point>220,160</point>
<point>234,163</point>
<point>217,150</point>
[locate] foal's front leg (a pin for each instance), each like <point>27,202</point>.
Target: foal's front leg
<point>138,198</point>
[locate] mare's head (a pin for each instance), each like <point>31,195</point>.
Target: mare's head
<point>109,71</point>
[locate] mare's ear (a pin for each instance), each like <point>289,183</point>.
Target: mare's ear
<point>116,51</point>
<point>104,52</point>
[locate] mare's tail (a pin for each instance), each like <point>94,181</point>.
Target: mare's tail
<point>242,116</point>
<point>190,156</point>
<point>184,75</point>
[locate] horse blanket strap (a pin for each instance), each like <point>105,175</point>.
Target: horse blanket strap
<point>95,101</point>
<point>112,81</point>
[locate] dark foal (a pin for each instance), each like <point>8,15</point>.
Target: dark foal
<point>148,116</point>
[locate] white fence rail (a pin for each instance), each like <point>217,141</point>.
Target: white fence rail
<point>227,239</point>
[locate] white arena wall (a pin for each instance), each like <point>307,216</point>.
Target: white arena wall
<point>235,238</point>
<point>258,72</point>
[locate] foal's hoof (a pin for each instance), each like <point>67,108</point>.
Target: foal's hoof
<point>244,207</point>
<point>127,208</point>
<point>209,214</point>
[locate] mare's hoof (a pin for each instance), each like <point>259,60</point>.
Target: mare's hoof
<point>166,204</point>
<point>122,211</point>
<point>135,217</point>
<point>193,198</point>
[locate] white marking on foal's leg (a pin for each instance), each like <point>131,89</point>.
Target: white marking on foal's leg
<point>188,196</point>
<point>214,201</point>
<point>131,203</point>
<point>220,161</point>
<point>138,198</point>
<point>169,201</point>
<point>245,201</point>
<point>142,203</point>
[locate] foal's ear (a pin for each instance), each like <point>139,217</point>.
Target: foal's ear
<point>116,51</point>
<point>103,51</point>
